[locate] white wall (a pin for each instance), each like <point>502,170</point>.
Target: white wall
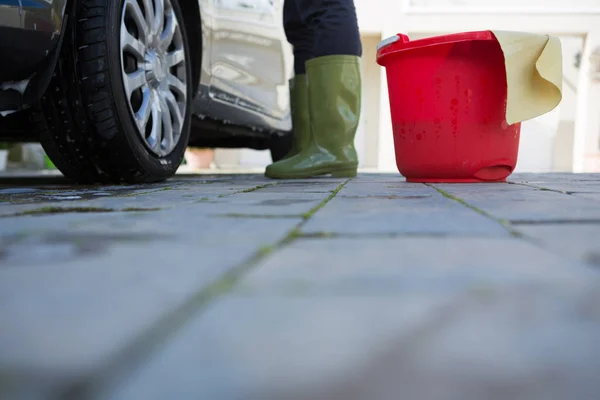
<point>496,4</point>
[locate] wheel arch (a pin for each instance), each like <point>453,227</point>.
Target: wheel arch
<point>193,25</point>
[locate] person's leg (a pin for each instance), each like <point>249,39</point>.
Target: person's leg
<point>302,40</point>
<point>334,92</point>
<point>299,34</point>
<point>335,24</point>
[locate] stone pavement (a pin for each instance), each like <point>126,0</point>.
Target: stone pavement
<point>238,287</point>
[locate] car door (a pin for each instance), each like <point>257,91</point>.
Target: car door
<point>249,67</point>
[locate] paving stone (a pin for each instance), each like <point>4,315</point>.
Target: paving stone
<point>181,225</point>
<point>173,191</point>
<point>349,318</point>
<point>204,200</point>
<point>578,241</point>
<point>10,210</point>
<point>92,288</point>
<point>263,203</point>
<point>410,210</point>
<point>87,206</point>
<point>389,266</point>
<point>385,188</point>
<point>90,198</point>
<point>522,203</point>
<point>508,343</point>
<point>592,196</point>
<point>46,196</point>
<point>192,224</point>
<point>571,187</point>
<point>553,177</point>
<point>244,347</point>
<point>379,177</point>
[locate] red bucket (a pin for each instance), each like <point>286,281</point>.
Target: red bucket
<point>448,104</point>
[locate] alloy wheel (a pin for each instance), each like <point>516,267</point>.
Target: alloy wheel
<point>153,69</point>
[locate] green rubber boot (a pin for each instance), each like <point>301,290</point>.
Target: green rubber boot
<point>334,99</point>
<point>300,115</point>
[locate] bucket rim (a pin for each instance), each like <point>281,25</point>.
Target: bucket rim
<point>401,42</point>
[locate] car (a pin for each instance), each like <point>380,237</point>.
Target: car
<point>115,90</point>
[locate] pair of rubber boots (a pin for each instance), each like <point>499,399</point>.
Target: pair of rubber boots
<point>325,106</point>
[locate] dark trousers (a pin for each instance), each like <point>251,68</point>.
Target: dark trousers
<point>318,28</point>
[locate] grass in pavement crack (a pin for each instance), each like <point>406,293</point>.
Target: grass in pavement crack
<point>322,204</point>
<point>297,233</point>
<point>112,373</point>
<point>505,224</point>
<point>258,187</point>
<point>321,235</point>
<point>252,189</point>
<point>292,235</point>
<point>136,194</point>
<point>540,188</point>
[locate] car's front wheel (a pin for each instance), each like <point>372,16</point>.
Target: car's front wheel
<point>119,104</point>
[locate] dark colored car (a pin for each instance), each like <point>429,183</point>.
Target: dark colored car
<point>115,90</point>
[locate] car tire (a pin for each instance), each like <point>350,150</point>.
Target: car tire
<point>280,146</point>
<point>97,118</point>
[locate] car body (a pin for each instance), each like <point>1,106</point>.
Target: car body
<point>29,35</point>
<point>61,83</point>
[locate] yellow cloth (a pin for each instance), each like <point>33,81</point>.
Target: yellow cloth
<point>533,74</point>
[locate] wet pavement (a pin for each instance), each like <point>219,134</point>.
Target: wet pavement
<point>239,287</point>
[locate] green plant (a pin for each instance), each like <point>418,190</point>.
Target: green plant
<point>4,146</point>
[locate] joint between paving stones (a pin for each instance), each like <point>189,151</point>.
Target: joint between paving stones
<point>505,223</point>
<point>249,190</point>
<point>71,210</point>
<point>593,221</point>
<point>258,216</point>
<point>384,235</point>
<point>322,204</point>
<point>141,193</point>
<point>542,189</point>
<point>106,378</point>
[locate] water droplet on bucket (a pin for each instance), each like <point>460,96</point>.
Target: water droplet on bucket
<point>419,136</point>
<point>454,101</point>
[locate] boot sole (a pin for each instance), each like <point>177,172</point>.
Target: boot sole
<point>344,172</point>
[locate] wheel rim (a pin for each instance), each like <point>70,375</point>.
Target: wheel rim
<point>153,69</point>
